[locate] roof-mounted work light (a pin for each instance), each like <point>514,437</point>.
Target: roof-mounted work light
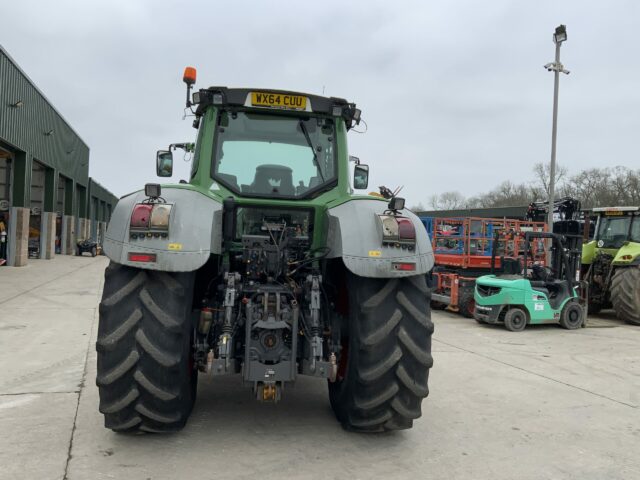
<point>152,190</point>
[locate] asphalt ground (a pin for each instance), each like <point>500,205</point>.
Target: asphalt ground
<point>542,404</point>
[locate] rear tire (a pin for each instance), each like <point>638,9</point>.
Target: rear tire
<point>625,294</point>
<point>467,303</point>
<point>515,320</point>
<point>572,316</point>
<point>146,377</point>
<point>388,354</point>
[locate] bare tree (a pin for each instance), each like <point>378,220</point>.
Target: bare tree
<point>447,201</point>
<point>507,194</point>
<point>595,187</point>
<point>605,187</point>
<point>542,172</point>
<point>419,207</point>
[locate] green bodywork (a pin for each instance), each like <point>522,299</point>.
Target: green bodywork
<point>345,225</point>
<point>203,182</point>
<point>517,291</point>
<point>628,254</point>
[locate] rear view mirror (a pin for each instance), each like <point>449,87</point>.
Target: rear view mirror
<point>361,177</point>
<point>164,163</point>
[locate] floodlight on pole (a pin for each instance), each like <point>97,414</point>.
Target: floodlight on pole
<point>556,67</point>
<point>560,34</point>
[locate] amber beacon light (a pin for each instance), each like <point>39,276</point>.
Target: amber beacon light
<point>189,76</point>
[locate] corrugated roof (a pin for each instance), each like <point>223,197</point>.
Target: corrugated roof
<point>44,97</point>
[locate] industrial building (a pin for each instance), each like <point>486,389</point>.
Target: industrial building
<point>47,199</point>
<point>515,213</point>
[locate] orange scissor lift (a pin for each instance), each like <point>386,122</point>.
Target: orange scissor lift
<point>462,249</point>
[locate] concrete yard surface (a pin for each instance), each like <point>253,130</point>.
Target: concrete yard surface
<point>542,404</point>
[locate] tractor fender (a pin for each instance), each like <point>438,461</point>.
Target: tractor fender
<point>355,235</point>
<point>190,239</point>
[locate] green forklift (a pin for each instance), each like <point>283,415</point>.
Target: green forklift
<point>533,293</point>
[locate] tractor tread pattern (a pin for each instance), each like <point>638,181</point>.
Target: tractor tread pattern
<point>109,341</point>
<point>143,350</point>
<point>387,375</point>
<point>625,294</point>
<point>377,335</point>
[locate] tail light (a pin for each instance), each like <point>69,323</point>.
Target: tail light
<point>397,231</point>
<point>141,215</point>
<point>389,228</point>
<point>160,216</point>
<point>149,220</point>
<point>406,230</point>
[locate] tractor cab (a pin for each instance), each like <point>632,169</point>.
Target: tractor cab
<point>538,292</point>
<point>265,144</point>
<point>617,233</point>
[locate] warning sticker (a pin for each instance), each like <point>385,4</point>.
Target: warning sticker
<point>175,246</point>
<point>375,253</point>
<point>538,307</point>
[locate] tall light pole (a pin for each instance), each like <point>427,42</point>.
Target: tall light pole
<point>559,37</point>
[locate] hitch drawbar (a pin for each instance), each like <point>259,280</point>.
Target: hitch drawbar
<point>272,327</point>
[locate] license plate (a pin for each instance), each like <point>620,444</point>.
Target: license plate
<point>278,100</point>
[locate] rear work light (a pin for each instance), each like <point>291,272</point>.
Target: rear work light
<point>142,257</point>
<point>397,231</point>
<point>150,220</point>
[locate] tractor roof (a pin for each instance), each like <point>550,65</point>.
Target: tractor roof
<point>616,209</point>
<point>279,100</point>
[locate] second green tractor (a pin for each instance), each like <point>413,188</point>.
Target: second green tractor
<point>611,263</point>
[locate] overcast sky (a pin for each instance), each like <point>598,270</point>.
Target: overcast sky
<point>453,92</point>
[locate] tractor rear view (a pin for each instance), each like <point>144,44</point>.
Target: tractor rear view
<point>611,263</point>
<point>265,265</point>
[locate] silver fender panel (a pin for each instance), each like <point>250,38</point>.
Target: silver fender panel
<point>192,233</point>
<point>355,236</point>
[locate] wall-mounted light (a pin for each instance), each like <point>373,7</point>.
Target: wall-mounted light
<point>49,133</point>
<point>17,104</point>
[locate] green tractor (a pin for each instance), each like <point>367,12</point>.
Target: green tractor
<point>265,265</point>
<point>611,263</point>
<point>535,294</point>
